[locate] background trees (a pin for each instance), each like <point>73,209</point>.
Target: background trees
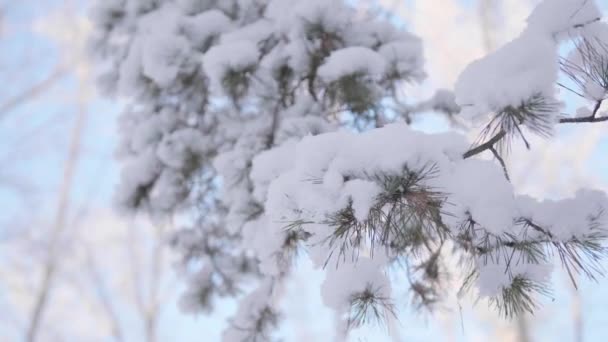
<point>225,90</point>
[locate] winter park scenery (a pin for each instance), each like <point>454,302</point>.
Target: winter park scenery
<point>304,170</point>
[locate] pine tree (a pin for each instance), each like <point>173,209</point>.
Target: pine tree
<point>275,129</point>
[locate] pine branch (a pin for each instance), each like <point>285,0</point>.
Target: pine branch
<point>369,306</point>
<point>590,66</point>
<point>405,216</point>
<point>261,327</point>
<point>519,297</point>
<point>578,254</point>
<point>496,139</point>
<point>591,118</point>
<point>295,235</point>
<point>426,289</point>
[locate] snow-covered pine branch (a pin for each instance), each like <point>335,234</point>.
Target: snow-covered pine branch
<point>277,125</point>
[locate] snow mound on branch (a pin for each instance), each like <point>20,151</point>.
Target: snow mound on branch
<point>558,16</point>
<point>405,56</point>
<point>235,56</point>
<point>352,278</point>
<point>523,68</point>
<point>350,61</point>
<point>322,174</point>
<point>526,67</point>
<point>201,27</point>
<point>163,57</point>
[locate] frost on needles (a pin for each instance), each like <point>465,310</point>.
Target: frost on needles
<point>275,130</point>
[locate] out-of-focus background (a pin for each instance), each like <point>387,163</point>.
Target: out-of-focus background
<point>72,269</point>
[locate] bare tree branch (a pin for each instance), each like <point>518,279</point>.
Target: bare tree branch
<point>33,92</point>
<point>104,298</point>
<point>51,263</point>
<point>153,307</point>
<point>133,255</point>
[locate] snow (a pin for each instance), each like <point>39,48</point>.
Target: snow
<point>233,56</point>
<point>351,61</point>
<point>292,17</point>
<point>267,166</point>
<point>493,276</point>
<point>525,67</point>
<point>583,112</point>
<point>194,6</point>
<point>363,195</point>
<point>480,188</point>
<point>204,26</point>
<point>476,187</point>
<point>130,70</point>
<point>556,16</point>
<point>444,99</point>
<point>145,133</point>
<point>177,148</point>
<point>163,57</point>
<point>351,278</point>
<point>592,43</point>
<point>404,57</point>
<point>168,190</point>
<point>513,74</point>
<point>567,217</point>
<point>254,32</point>
<point>249,307</point>
<point>138,173</point>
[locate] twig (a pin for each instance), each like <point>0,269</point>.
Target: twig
<point>103,296</point>
<point>501,161</point>
<point>598,104</point>
<point>570,89</point>
<point>485,146</point>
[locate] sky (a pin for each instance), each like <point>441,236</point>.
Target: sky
<point>35,137</point>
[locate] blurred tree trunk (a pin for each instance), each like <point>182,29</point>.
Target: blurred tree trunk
<point>52,262</point>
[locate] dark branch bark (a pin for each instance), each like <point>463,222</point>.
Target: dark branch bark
<point>581,25</point>
<point>583,119</point>
<point>591,118</point>
<point>538,228</point>
<point>274,126</point>
<point>485,146</point>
